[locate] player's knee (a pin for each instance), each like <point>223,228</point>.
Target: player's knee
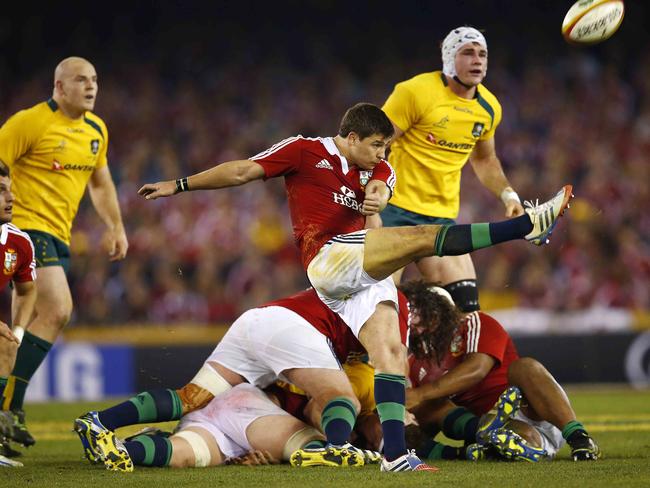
<point>529,433</point>
<point>389,359</point>
<point>523,369</point>
<point>57,316</point>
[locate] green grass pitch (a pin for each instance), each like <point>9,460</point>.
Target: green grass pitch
<point>618,418</point>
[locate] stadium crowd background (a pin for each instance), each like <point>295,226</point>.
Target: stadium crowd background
<point>183,86</point>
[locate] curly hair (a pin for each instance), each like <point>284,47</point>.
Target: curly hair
<point>438,318</point>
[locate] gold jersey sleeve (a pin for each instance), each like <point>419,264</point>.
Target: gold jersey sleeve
<point>441,130</point>
<point>51,158</point>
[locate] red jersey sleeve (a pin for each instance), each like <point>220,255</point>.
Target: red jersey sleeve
<point>26,263</point>
<point>385,172</point>
<point>282,158</point>
<point>486,335</point>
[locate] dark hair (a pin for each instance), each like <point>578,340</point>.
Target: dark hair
<point>431,336</point>
<point>366,119</point>
<point>4,169</point>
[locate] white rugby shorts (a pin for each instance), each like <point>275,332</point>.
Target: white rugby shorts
<point>264,342</point>
<point>228,416</point>
<point>552,439</point>
<point>337,275</point>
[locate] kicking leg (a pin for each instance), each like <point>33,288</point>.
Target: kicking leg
<point>388,249</point>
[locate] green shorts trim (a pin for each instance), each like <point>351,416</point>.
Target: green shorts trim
<point>49,250</point>
<point>393,216</point>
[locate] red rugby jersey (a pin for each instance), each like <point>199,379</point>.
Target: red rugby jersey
<point>324,191</point>
<point>479,333</point>
<point>18,256</point>
<point>308,306</point>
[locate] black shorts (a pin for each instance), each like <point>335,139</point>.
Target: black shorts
<point>49,250</point>
<point>393,216</point>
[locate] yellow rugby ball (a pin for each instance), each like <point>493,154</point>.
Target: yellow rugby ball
<point>592,21</point>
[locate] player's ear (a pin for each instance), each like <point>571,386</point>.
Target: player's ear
<point>353,138</point>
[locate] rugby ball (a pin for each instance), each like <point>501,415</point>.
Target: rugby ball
<point>592,21</point>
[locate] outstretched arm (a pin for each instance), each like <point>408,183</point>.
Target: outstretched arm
<point>490,173</point>
<point>467,374</point>
<point>232,173</point>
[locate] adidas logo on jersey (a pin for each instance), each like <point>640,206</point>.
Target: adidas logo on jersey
<point>324,164</point>
<point>421,374</point>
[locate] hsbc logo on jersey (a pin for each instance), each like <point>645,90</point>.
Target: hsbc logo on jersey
<point>347,198</point>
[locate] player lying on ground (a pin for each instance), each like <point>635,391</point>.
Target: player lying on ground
<point>234,424</point>
<point>332,184</point>
<point>480,363</point>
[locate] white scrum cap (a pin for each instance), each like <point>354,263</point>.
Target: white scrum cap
<point>456,39</point>
<point>442,292</point>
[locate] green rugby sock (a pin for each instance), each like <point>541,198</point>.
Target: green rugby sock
<point>337,420</point>
<point>390,396</point>
<point>31,353</point>
<point>437,450</point>
<point>454,240</point>
<point>148,406</point>
<point>149,450</point>
<point>571,427</point>
<point>460,424</point>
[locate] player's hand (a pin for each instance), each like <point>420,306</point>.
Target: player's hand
<point>253,458</point>
<point>151,191</point>
<point>116,243</point>
<point>5,332</point>
<point>513,209</point>
<point>371,204</point>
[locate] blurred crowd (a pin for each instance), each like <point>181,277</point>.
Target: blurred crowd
<point>205,257</point>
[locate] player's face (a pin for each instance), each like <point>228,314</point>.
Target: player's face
<point>366,153</point>
<point>471,63</point>
<point>6,200</point>
<point>78,86</point>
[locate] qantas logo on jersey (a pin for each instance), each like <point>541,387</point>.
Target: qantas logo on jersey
<point>324,164</point>
<point>448,144</point>
<point>11,260</point>
<point>57,166</point>
<point>347,198</point>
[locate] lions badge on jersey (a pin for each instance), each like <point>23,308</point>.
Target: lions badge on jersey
<point>478,129</point>
<point>11,260</point>
<point>364,178</point>
<point>455,346</point>
<point>94,146</point>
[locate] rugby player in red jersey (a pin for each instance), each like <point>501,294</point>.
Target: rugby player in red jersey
<point>481,368</point>
<point>333,184</point>
<point>18,267</point>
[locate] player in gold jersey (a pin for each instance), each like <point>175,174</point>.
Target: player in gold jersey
<point>55,150</point>
<point>442,119</point>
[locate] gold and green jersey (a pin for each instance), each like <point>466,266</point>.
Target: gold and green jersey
<point>51,158</point>
<point>440,132</point>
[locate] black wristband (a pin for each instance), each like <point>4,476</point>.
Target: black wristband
<point>181,185</point>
